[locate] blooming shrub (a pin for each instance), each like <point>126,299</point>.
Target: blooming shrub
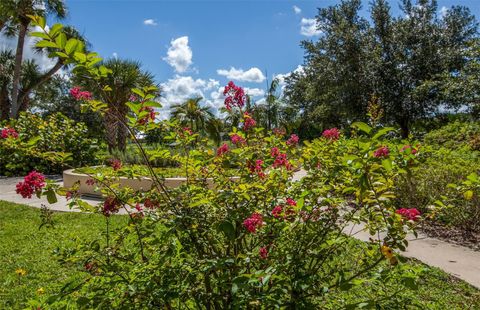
<point>259,240</point>
<point>48,145</point>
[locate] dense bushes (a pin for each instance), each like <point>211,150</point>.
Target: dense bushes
<point>47,145</point>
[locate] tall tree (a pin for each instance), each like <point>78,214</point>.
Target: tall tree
<point>192,114</point>
<point>14,16</point>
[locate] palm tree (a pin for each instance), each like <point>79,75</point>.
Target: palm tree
<point>15,18</point>
<point>192,114</point>
<point>215,129</point>
<point>125,75</point>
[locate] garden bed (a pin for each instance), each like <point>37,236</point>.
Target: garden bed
<point>171,177</point>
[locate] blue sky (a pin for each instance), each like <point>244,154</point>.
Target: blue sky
<point>206,39</point>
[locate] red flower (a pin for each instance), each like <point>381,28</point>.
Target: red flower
<point>279,131</point>
<point>248,121</point>
<point>32,183</point>
<point>263,252</point>
<point>236,139</point>
<point>111,205</point>
<point>257,168</point>
<point>291,202</point>
<point>281,160</point>
<point>90,182</point>
<point>222,149</point>
<point>254,222</point>
<point>80,95</point>
<point>147,118</point>
<point>293,140</point>
<point>116,164</point>
<point>274,152</point>
<point>381,152</point>
<point>331,134</point>
<point>8,132</point>
<point>277,211</point>
<point>235,96</point>
<point>411,214</point>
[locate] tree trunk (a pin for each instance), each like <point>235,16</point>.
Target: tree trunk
<point>4,103</point>
<point>23,94</point>
<point>404,128</point>
<point>18,67</point>
<point>122,131</point>
<point>111,125</point>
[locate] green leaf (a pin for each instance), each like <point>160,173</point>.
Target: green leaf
<point>382,132</point>
<point>71,45</point>
<point>387,164</point>
<point>61,40</point>
<point>362,127</point>
<point>42,35</point>
<point>55,30</point>
<point>51,197</point>
<point>81,57</point>
<point>228,229</point>
<point>45,43</point>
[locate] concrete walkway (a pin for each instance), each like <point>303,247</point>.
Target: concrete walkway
<point>458,261</point>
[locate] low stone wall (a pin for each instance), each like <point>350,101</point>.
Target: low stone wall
<point>142,184</point>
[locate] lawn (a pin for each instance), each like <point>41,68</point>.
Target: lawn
<point>25,246</point>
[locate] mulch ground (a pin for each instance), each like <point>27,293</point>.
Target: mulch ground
<point>452,234</point>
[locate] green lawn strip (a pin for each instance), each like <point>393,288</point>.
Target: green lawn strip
<point>23,245</point>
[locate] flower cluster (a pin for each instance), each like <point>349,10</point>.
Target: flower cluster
<point>116,164</point>
<point>110,206</point>
<point>287,211</point>
<point>257,168</point>
<point>254,222</point>
<point>222,149</point>
<point>281,160</point>
<point>293,140</point>
<point>8,132</point>
<point>277,211</point>
<point>236,139</point>
<point>32,183</point>
<point>332,134</point>
<point>263,252</point>
<point>279,132</point>
<point>411,214</point>
<point>381,152</point>
<point>147,118</point>
<point>248,121</point>
<point>90,182</point>
<point>235,96</point>
<point>78,94</point>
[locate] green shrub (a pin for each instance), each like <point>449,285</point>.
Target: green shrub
<point>455,135</point>
<point>47,145</point>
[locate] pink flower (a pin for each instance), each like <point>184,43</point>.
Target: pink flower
<point>412,149</point>
<point>274,152</point>
<point>291,202</point>
<point>279,132</point>
<point>254,222</point>
<point>411,214</point>
<point>277,211</point>
<point>235,96</point>
<point>381,152</point>
<point>147,118</point>
<point>222,149</point>
<point>263,252</point>
<point>90,182</point>
<point>187,130</point>
<point>8,132</point>
<point>116,164</point>
<point>32,183</point>
<point>281,160</point>
<point>293,140</point>
<point>331,134</point>
<point>132,98</point>
<point>236,139</point>
<point>257,168</point>
<point>248,121</point>
<point>80,95</point>
<point>111,205</point>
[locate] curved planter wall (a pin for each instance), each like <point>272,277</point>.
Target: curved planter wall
<point>145,184</point>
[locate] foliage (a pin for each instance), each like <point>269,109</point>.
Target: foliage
<point>47,145</point>
<point>456,135</point>
<point>410,62</point>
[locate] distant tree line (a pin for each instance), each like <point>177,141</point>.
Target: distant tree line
<point>414,66</point>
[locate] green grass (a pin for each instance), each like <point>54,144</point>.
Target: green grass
<point>23,245</point>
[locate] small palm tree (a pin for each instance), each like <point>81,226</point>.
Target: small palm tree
<point>125,75</point>
<point>192,114</point>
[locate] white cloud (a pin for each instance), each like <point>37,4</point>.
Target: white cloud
<point>281,77</point>
<point>251,75</point>
<point>254,92</point>
<point>179,54</point>
<point>41,59</point>
<point>150,22</point>
<point>309,27</point>
<point>297,10</point>
<point>443,11</point>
